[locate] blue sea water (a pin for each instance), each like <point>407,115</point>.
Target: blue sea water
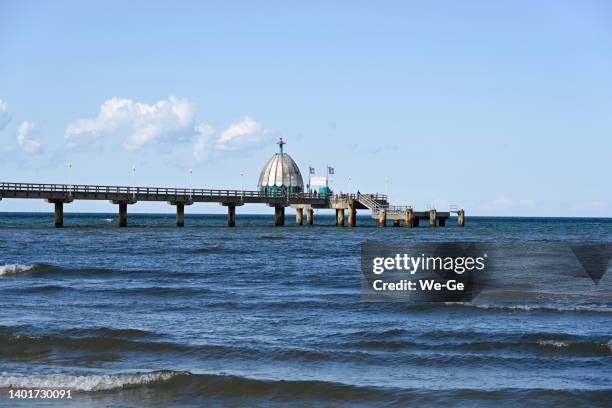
<point>257,315</point>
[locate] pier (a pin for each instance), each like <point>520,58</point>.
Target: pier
<point>345,205</point>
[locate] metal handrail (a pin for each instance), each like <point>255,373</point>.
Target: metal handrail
<point>169,191</point>
<point>399,208</point>
<point>373,200</point>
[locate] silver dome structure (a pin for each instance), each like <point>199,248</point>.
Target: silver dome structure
<point>280,174</point>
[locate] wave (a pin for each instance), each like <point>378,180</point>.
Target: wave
<point>371,334</point>
<point>91,342</point>
<point>161,291</point>
<point>214,250</point>
<point>482,342</point>
<point>553,343</point>
<point>24,344</point>
<point>42,269</point>
<point>94,382</point>
<point>271,238</point>
<point>14,269</point>
<point>99,343</point>
<point>591,308</point>
<point>110,332</point>
<point>184,387</point>
<point>42,289</point>
<point>203,385</point>
<point>158,291</point>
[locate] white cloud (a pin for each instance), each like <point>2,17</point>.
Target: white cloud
<point>138,123</point>
<point>201,145</point>
<point>24,137</point>
<point>5,118</point>
<point>243,134</point>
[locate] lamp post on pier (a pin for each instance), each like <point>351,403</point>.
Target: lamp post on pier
<point>190,183</point>
<point>134,180</point>
<point>70,178</point>
<point>242,184</point>
<point>387,188</point>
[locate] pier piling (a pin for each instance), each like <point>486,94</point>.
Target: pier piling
<point>59,214</point>
<point>352,216</point>
<point>382,218</point>
<point>309,216</point>
<point>409,218</point>
<point>180,215</point>
<point>432,218</point>
<point>231,215</point>
<point>299,216</point>
<point>461,218</point>
<point>279,216</point>
<point>123,214</point>
<point>339,217</point>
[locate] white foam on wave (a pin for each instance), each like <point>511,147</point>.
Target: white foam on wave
<point>94,382</point>
<point>554,343</point>
<point>528,308</point>
<point>14,269</point>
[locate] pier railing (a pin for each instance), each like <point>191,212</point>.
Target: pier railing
<point>60,194</point>
<point>161,191</point>
<point>399,208</point>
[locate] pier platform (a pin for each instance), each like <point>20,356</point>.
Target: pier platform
<point>122,196</point>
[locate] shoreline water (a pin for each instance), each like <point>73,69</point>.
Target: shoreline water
<point>263,315</point>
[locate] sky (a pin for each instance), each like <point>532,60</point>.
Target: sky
<point>501,108</point>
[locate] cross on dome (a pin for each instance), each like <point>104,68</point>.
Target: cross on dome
<point>280,144</point>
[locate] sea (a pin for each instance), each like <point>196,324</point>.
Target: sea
<point>257,315</point>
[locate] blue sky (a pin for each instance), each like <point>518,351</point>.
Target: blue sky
<point>503,108</point>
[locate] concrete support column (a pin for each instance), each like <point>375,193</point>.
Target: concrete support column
<point>382,218</point>
<point>339,217</point>
<point>432,218</point>
<point>442,222</point>
<point>461,218</point>
<point>408,218</point>
<point>352,216</point>
<point>59,214</point>
<point>279,216</point>
<point>180,215</point>
<point>396,223</point>
<point>231,215</point>
<point>299,216</point>
<point>309,216</point>
<point>123,214</point>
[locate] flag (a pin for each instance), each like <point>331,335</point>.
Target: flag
<point>311,170</point>
<point>330,170</point>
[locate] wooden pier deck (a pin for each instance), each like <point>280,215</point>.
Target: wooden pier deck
<point>60,194</point>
